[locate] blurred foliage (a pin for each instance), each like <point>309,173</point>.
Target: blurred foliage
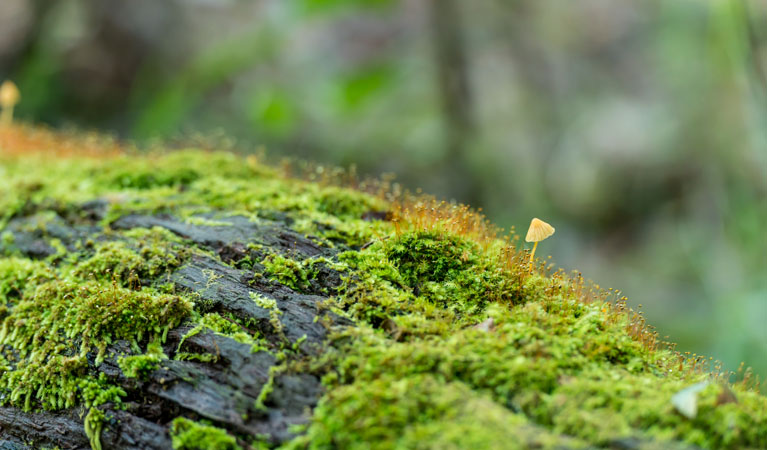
<point>637,128</point>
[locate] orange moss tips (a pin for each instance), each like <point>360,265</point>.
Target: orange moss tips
<point>21,139</point>
<point>426,213</point>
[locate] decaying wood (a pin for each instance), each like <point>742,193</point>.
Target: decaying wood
<point>223,392</point>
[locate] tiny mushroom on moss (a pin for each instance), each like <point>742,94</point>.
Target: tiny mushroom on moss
<point>9,97</point>
<point>538,231</point>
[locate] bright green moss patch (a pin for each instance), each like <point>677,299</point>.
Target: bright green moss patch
<point>55,312</point>
<point>289,272</point>
<point>345,203</point>
<point>19,277</point>
<point>219,324</point>
<point>274,312</point>
<point>52,331</point>
<point>138,366</point>
<point>95,314</point>
<point>419,411</point>
<point>431,257</point>
<point>449,270</point>
<point>174,176</point>
<point>599,406</point>
<point>391,282</point>
<point>295,274</point>
<point>93,424</point>
<point>187,183</point>
<point>98,391</point>
<point>54,383</point>
<point>225,326</point>
<point>118,260</point>
<point>538,352</point>
<point>189,435</point>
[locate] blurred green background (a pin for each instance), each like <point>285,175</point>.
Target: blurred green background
<point>637,128</point>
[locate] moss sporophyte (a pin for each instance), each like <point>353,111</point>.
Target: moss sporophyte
<point>199,294</point>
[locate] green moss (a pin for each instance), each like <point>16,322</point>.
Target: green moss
<point>96,392</point>
<point>274,312</point>
<point>543,355</point>
<point>132,179</point>
<point>190,435</point>
<point>93,313</point>
<point>298,275</point>
<point>93,424</point>
<point>217,323</point>
<point>43,328</point>
<point>225,326</point>
<point>199,357</point>
<point>289,272</point>
<point>188,183</point>
<point>153,236</point>
<point>390,282</point>
<point>139,366</point>
<point>456,344</point>
<point>431,257</point>
<point>560,363</point>
<point>54,383</point>
<point>600,406</point>
<point>419,411</point>
<point>118,260</point>
<point>345,203</point>
<point>19,277</point>
<point>267,388</point>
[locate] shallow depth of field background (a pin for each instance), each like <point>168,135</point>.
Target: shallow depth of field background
<point>637,128</point>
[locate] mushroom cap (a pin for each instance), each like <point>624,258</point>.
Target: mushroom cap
<point>538,231</point>
<point>9,94</point>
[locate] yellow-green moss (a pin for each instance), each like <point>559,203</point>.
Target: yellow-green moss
<point>455,345</point>
<point>53,314</point>
<point>449,271</point>
<point>542,354</point>
<point>138,366</point>
<point>187,183</point>
<point>19,276</point>
<point>420,412</point>
<point>189,435</point>
<point>225,326</point>
<point>289,272</point>
<point>66,316</point>
<point>118,260</point>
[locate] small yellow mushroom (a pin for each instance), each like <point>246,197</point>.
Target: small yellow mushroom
<point>538,231</point>
<point>9,97</point>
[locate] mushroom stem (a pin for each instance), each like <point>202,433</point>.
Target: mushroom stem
<point>532,255</point>
<point>6,115</point>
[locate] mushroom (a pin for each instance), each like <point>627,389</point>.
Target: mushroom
<point>538,231</point>
<point>9,97</point>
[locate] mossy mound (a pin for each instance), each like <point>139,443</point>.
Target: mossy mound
<point>203,300</point>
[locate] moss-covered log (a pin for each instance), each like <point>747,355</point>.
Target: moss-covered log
<point>202,300</point>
